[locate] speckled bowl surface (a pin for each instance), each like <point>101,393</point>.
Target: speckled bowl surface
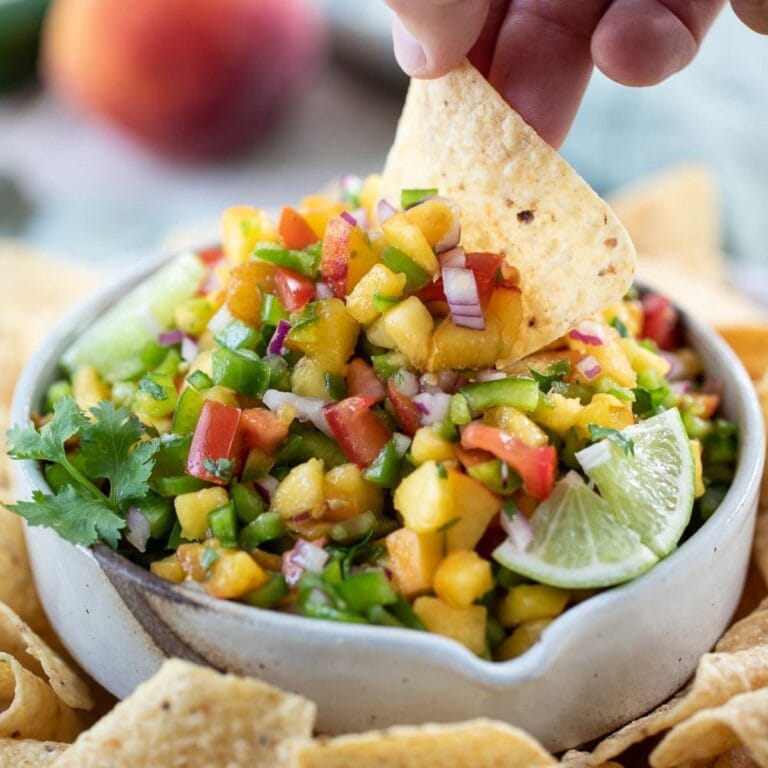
<point>602,663</point>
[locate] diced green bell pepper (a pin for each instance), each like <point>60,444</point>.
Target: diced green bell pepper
<point>171,456</point>
<point>157,395</point>
<point>305,442</point>
<point>388,363</point>
<point>257,464</point>
<point>266,527</point>
<point>57,390</point>
<point>241,370</point>
<point>279,372</point>
<point>491,475</point>
<point>248,502</point>
<point>458,411</point>
<point>384,471</point>
<point>199,380</point>
<point>187,412</point>
<point>272,311</point>
<point>175,485</point>
<point>397,261</point>
<point>305,262</point>
<point>516,391</point>
<point>268,594</point>
<point>238,335</point>
<point>353,528</point>
<point>223,524</point>
<point>362,591</point>
<point>409,197</point>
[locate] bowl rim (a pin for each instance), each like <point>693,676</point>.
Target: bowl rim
<point>494,675</point>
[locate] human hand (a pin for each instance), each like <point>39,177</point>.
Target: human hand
<point>539,54</point>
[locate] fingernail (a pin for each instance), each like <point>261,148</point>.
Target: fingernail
<point>408,50</point>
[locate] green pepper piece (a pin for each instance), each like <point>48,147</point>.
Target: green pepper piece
<point>238,335</point>
<point>266,527</point>
<point>257,464</point>
<point>491,475</point>
<point>57,390</point>
<point>378,614</point>
<point>179,484</point>
<point>508,579</point>
<point>272,311</point>
<point>711,500</point>
<point>160,514</point>
<point>577,391</point>
<point>397,261</point>
<point>152,355</point>
<point>516,391</point>
<point>175,539</point>
<point>170,363</point>
<point>382,303</point>
<point>335,385</point>
<point>199,380</point>
<point>333,573</point>
<point>187,412</point>
<point>458,411</point>
<point>409,197</point>
<point>698,428</point>
<point>171,456</point>
<point>718,449</point>
<point>268,594</point>
<point>223,524</point>
<point>494,632</point>
<point>305,262</point>
<point>305,442</point>
<point>157,395</point>
<point>318,610</point>
<point>364,590</point>
<point>405,614</point>
<point>353,528</point>
<point>241,370</point>
<point>384,471</point>
<point>388,363</point>
<point>248,502</point>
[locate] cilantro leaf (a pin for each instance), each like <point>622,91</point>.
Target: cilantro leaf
<point>620,326</point>
<point>75,516</point>
<point>555,372</point>
<point>221,469</point>
<point>111,450</point>
<point>596,432</point>
<point>47,443</point>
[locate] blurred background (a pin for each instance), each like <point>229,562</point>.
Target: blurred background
<point>134,123</point>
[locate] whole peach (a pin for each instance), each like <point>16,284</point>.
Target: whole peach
<point>195,78</point>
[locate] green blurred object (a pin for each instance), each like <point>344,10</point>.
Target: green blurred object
<point>20,23</point>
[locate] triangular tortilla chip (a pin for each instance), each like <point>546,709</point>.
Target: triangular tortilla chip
<point>516,196</point>
<point>28,753</point>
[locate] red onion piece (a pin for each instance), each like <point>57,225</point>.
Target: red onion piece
<point>518,528</point>
<point>407,383</point>
<point>169,338</point>
<point>433,407</point>
<point>589,332</point>
<point>275,346</point>
<point>361,217</point>
<point>189,349</point>
<point>138,530</point>
<point>455,257</point>
<point>460,289</point>
<point>323,291</point>
<point>384,211</point>
<point>307,408</point>
<point>349,218</point>
<point>305,556</point>
<point>589,368</point>
<point>267,485</point>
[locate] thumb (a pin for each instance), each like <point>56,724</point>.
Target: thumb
<point>754,13</point>
<point>432,36</point>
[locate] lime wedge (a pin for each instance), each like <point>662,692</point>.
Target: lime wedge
<point>650,489</point>
<point>577,542</point>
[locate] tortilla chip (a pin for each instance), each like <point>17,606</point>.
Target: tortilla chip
<point>674,215</point>
<point>29,709</point>
<point>760,545</point>
<point>473,744</point>
<point>193,716</point>
<point>516,196</point>
<point>28,753</point>
<point>718,677</point>
<point>740,757</point>
<point>574,758</point>
<point>742,721</point>
<point>750,632</point>
<point>750,343</point>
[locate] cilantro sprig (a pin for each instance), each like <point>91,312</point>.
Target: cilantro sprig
<point>597,433</point>
<point>112,471</point>
<point>555,372</point>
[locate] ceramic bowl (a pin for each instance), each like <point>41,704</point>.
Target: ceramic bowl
<point>605,661</point>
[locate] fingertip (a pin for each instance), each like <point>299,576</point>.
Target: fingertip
<point>754,13</point>
<point>641,43</point>
<point>408,50</point>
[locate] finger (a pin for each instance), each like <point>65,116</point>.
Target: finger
<point>481,54</point>
<point>754,13</point>
<point>642,42</point>
<point>432,36</point>
<point>542,62</point>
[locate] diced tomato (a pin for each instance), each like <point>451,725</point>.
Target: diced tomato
<point>357,429</point>
<point>217,436</point>
<point>211,256</point>
<point>486,269</point>
<point>472,457</point>
<point>535,464</point>
<point>661,322</point>
<point>432,292</point>
<point>294,230</point>
<point>406,412</point>
<point>294,290</point>
<point>362,380</point>
<point>334,266</point>
<point>262,429</point>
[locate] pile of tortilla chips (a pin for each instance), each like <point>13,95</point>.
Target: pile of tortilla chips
<point>191,716</point>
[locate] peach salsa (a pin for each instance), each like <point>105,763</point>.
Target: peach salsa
<point>312,418</point>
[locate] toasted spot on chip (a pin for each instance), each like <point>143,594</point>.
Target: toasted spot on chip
<point>472,744</point>
<point>482,154</point>
<point>29,753</point>
<point>742,721</point>
<point>194,716</point>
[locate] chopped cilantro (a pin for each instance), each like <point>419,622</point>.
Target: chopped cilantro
<point>221,469</point>
<point>442,472</point>
<point>152,388</point>
<point>210,556</point>
<point>620,326</point>
<point>555,372</point>
<point>509,508</point>
<point>597,433</point>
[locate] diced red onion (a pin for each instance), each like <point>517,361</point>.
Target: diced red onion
<point>304,556</point>
<point>275,346</point>
<point>349,218</point>
<point>460,289</point>
<point>323,291</point>
<point>518,528</point>
<point>307,408</point>
<point>361,217</point>
<point>169,338</point>
<point>384,210</point>
<point>189,349</point>
<point>350,184</point>
<point>433,407</point>
<point>407,383</point>
<point>220,320</point>
<point>490,374</point>
<point>680,387</point>
<point>589,368</point>
<point>138,530</point>
<point>402,443</point>
<point>455,257</point>
<point>266,486</point>
<point>589,332</point>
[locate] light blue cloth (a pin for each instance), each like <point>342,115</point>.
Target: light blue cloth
<point>714,112</point>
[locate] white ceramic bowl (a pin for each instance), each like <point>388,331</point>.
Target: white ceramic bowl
<point>605,661</point>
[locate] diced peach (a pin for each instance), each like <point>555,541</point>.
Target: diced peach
<point>465,625</point>
<point>462,578</point>
<point>475,507</point>
<point>234,574</point>
<point>413,559</point>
